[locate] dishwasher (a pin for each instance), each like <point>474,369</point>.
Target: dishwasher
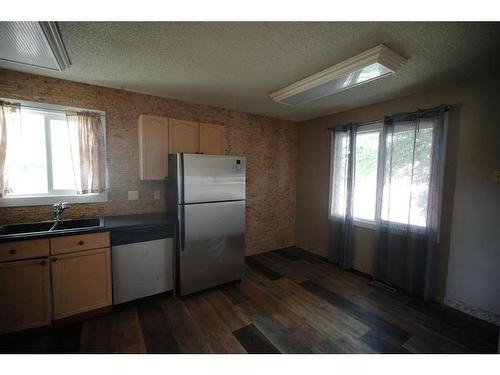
<point>142,262</point>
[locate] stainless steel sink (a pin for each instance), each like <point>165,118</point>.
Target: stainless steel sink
<point>50,226</point>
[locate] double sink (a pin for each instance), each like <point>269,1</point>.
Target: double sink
<point>50,226</point>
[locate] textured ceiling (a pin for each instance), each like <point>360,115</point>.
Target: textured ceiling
<point>237,65</point>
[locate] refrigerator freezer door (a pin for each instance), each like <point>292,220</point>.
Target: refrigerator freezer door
<point>213,246</point>
<point>209,178</point>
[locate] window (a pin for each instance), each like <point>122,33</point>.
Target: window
<point>39,165</point>
<point>39,158</point>
<point>406,177</point>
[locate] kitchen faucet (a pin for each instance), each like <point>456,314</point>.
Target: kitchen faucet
<point>58,209</point>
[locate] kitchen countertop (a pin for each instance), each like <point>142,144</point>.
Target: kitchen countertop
<point>110,224</point>
<point>137,221</point>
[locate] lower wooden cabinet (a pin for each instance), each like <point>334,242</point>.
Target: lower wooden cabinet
<point>81,281</point>
<point>74,278</point>
<point>24,294</point>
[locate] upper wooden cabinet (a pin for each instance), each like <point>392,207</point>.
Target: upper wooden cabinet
<point>153,147</point>
<point>183,136</point>
<point>160,136</point>
<point>212,139</point>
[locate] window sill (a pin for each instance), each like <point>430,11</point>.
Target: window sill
<point>51,199</point>
<point>364,224</point>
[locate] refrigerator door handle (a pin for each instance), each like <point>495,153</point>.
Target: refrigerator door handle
<point>182,229</point>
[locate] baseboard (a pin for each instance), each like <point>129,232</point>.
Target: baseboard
<point>474,311</point>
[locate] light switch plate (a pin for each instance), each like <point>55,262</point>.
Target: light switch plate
<point>156,194</point>
<point>133,195</point>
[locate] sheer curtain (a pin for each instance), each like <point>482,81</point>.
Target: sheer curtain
<point>341,220</point>
<point>10,123</point>
<point>409,199</point>
<point>87,141</point>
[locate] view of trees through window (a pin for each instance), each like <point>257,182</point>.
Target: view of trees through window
<point>407,174</point>
<point>365,181</point>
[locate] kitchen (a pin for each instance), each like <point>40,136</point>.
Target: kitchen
<point>146,212</point>
<point>139,140</point>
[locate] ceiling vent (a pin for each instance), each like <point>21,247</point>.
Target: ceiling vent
<point>375,63</point>
<point>37,44</point>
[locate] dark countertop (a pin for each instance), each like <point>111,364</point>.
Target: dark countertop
<point>137,221</point>
<point>110,224</point>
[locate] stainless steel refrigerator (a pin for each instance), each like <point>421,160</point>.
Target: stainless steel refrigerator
<point>206,193</point>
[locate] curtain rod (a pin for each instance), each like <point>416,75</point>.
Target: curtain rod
<point>60,110</point>
<point>49,107</point>
<point>446,109</point>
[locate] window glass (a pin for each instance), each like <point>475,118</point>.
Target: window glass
<point>339,191</point>
<point>27,155</point>
<point>365,180</point>
<point>62,167</point>
<point>407,179</point>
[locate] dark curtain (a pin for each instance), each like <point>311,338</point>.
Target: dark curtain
<point>341,221</point>
<point>411,154</point>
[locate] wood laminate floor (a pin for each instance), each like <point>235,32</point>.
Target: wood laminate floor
<point>289,301</point>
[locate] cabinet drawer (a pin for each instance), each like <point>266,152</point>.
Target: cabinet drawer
<point>78,242</point>
<point>26,249</point>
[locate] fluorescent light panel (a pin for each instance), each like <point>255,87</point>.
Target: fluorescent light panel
<point>37,44</point>
<point>375,63</point>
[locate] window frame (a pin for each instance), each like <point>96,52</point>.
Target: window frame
<point>53,111</point>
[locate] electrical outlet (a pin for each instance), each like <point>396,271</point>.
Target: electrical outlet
<point>156,194</point>
<point>496,176</point>
<point>133,195</point>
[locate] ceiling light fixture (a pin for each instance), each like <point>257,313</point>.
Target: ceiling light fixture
<point>37,44</point>
<point>375,63</point>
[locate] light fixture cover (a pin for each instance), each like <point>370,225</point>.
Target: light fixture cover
<point>375,63</point>
<point>36,44</point>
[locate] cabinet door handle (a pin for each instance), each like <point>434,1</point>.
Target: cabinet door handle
<point>54,259</point>
<point>80,243</point>
<point>42,263</point>
<point>12,251</point>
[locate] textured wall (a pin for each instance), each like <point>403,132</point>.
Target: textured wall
<point>269,144</point>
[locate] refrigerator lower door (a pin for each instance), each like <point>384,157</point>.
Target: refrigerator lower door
<point>212,250</point>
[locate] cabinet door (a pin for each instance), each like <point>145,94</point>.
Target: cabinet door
<point>81,281</point>
<point>183,136</point>
<point>24,294</point>
<point>153,147</point>
<point>212,139</point>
